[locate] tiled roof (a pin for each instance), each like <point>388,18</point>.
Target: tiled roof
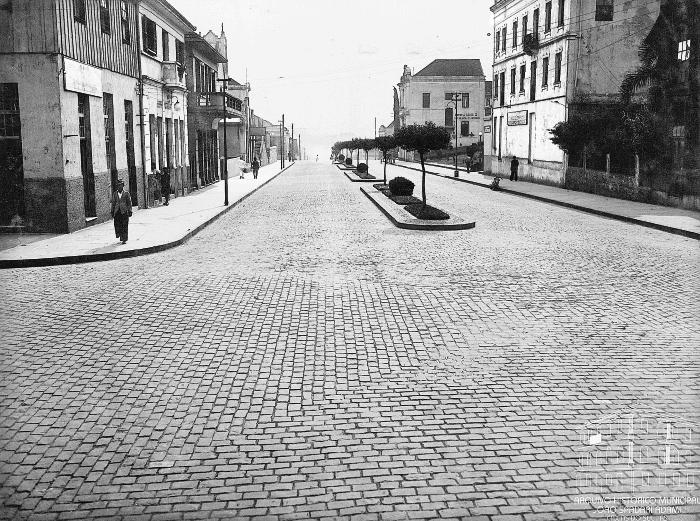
<point>460,67</point>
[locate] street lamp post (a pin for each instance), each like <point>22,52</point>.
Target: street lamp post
<point>455,98</point>
<point>223,108</point>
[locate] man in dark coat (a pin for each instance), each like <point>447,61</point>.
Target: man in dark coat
<point>256,166</point>
<point>121,211</point>
<point>165,185</point>
<point>514,164</point>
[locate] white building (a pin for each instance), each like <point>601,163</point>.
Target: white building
<point>428,96</point>
<point>550,57</point>
<point>163,31</point>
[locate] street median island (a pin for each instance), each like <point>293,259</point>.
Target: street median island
<point>359,178</point>
<point>394,209</point>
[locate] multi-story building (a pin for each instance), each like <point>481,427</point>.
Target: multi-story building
<point>69,110</point>
<point>205,109</point>
<point>163,31</point>
<point>548,56</point>
<point>386,130</point>
<point>430,94</point>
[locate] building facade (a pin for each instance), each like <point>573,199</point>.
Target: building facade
<point>68,107</point>
<point>548,55</point>
<point>162,30</point>
<point>450,93</point>
<point>205,108</point>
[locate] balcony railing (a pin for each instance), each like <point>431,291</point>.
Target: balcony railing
<point>213,99</point>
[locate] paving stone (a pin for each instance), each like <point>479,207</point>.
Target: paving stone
<point>304,359</point>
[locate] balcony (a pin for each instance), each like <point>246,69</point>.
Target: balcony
<point>173,75</point>
<point>213,100</point>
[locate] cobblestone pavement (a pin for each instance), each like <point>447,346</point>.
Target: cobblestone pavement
<point>303,358</point>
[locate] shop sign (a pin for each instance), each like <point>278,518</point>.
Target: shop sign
<point>79,77</point>
<point>519,117</point>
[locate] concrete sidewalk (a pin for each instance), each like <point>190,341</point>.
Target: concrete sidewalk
<point>150,230</point>
<point>665,218</point>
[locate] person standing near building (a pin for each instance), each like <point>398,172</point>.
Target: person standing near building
<point>514,164</point>
<point>256,166</point>
<point>165,185</point>
<point>121,211</point>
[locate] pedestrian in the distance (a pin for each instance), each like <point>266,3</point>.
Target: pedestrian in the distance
<point>121,211</point>
<point>514,164</point>
<point>317,158</point>
<point>165,185</point>
<point>256,166</point>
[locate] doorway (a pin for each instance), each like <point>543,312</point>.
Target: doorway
<point>110,151</point>
<point>86,156</point>
<point>130,160</point>
<point>11,158</point>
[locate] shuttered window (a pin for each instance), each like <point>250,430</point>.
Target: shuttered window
<point>104,16</point>
<point>150,42</point>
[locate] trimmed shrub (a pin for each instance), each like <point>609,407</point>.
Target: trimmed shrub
<point>426,212</point>
<point>362,168</point>
<point>341,157</point>
<point>348,161</point>
<point>401,186</point>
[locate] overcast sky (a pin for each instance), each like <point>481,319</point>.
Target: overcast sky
<point>330,65</point>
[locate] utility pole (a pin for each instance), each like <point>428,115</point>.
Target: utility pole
<point>223,108</point>
<point>292,146</point>
<point>299,146</point>
<point>282,140</point>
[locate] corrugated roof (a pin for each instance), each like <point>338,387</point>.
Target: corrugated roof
<point>447,67</point>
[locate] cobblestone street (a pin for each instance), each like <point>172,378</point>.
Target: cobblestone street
<point>302,358</point>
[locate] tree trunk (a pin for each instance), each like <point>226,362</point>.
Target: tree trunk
<point>384,168</point>
<point>422,166</point>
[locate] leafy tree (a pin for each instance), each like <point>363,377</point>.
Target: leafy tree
<point>385,143</point>
<point>423,139</point>
<point>367,144</point>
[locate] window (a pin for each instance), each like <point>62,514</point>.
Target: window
<point>536,22</point>
<point>503,87</point>
<point>557,68</point>
<point>79,11</point>
<point>498,40</point>
<point>449,117</point>
<point>522,78</point>
<point>684,50</point>
<point>464,128</point>
<point>495,86</point>
<point>560,19</point>
<point>126,30</point>
<point>179,52</point>
<point>603,10</point>
<point>104,16</point>
<point>448,96</point>
<point>503,36</point>
<point>465,100</point>
<point>150,43</point>
<point>426,100</point>
<point>524,27</point>
<point>547,17</point>
<point>9,111</point>
<point>533,80</point>
<point>512,81</point>
<point>545,71</point>
<point>515,34</point>
<point>166,46</point>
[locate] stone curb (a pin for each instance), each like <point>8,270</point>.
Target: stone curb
<point>97,257</point>
<point>396,216</point>
<point>356,179</point>
<point>573,206</point>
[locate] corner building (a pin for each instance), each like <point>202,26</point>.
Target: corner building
<point>68,111</point>
<point>552,56</point>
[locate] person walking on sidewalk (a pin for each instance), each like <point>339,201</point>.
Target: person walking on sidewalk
<point>256,166</point>
<point>121,211</point>
<point>514,164</point>
<point>165,185</point>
